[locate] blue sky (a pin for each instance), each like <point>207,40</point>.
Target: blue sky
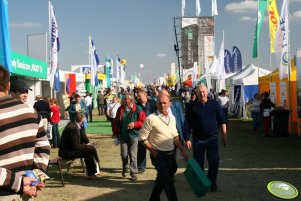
<point>141,31</point>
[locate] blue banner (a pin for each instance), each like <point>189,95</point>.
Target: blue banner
<point>236,59</point>
<point>227,61</point>
<point>5,51</point>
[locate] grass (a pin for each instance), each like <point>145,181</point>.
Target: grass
<point>99,125</point>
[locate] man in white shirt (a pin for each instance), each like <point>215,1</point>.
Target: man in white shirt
<point>159,135</point>
<point>88,103</point>
<point>112,109</point>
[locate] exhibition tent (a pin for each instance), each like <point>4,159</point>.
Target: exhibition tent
<point>283,92</point>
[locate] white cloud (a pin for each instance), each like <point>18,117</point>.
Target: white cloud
<point>242,7</point>
<point>297,15</point>
<point>25,25</point>
<point>161,55</point>
<point>247,19</point>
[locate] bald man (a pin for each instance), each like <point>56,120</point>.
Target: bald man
<point>203,117</point>
<point>159,135</point>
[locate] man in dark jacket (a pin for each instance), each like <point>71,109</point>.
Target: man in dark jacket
<point>71,146</point>
<point>203,117</point>
<point>149,107</point>
<point>43,108</point>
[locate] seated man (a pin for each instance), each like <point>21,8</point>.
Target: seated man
<point>71,147</point>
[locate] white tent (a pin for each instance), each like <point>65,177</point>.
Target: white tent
<point>243,86</point>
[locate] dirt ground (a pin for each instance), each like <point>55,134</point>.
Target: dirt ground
<point>246,167</point>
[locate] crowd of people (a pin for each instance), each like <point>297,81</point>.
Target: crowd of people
<point>142,119</point>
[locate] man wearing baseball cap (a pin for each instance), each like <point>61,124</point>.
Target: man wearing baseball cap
<point>19,90</point>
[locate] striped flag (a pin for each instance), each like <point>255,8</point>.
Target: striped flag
<point>94,61</point>
<point>281,42</point>
<point>214,8</point>
<point>5,51</point>
<point>55,48</point>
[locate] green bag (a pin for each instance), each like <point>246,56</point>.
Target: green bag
<point>196,178</point>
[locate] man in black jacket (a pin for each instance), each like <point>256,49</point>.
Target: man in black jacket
<point>71,146</point>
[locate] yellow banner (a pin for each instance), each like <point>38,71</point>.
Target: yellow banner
<point>274,20</point>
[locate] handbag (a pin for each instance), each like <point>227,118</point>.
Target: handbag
<point>49,132</point>
<point>266,112</point>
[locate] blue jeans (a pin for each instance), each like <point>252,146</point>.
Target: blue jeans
<point>256,120</point>
<point>55,135</point>
<point>166,166</point>
<point>210,147</point>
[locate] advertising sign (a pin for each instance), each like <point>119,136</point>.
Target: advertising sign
<point>273,92</point>
<point>283,94</point>
<point>24,65</point>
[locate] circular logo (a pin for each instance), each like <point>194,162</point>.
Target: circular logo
<point>282,189</point>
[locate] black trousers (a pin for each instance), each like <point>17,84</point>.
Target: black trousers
<point>90,157</point>
<point>166,166</point>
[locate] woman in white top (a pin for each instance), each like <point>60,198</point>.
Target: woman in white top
<point>223,101</point>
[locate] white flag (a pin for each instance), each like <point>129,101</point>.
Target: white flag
<point>281,42</point>
<point>198,7</point>
<point>183,8</point>
<point>214,8</point>
<point>220,63</point>
<point>117,69</point>
<point>55,46</point>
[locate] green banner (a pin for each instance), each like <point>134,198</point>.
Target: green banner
<point>261,12</point>
<point>24,65</point>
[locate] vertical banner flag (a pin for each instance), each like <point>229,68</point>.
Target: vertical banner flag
<point>281,42</point>
<point>298,67</point>
<point>94,61</point>
<point>262,5</point>
<point>236,59</point>
<point>55,47</point>
<point>108,71</point>
<point>195,72</point>
<point>214,8</point>
<point>220,62</point>
<point>198,7</point>
<point>183,8</point>
<point>117,68</point>
<point>227,62</point>
<point>5,51</point>
<point>273,22</point>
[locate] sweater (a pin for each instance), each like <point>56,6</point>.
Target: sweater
<point>203,119</point>
<point>23,144</point>
<point>159,134</point>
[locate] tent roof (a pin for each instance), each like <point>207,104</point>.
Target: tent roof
<point>248,76</point>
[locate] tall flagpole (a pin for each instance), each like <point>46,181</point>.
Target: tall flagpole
<point>49,49</point>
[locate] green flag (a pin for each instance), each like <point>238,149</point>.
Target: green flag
<point>262,7</point>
